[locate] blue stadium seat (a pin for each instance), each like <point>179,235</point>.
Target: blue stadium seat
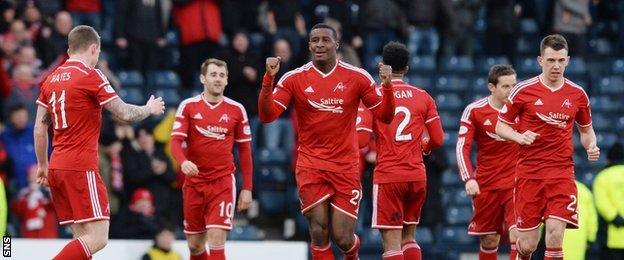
<point>458,215</point>
<point>451,84</point>
<point>528,44</point>
<point>529,26</point>
<point>604,104</point>
<point>448,101</point>
<point>132,95</point>
<point>422,64</point>
<point>372,66</point>
<point>601,46</point>
<point>423,82</point>
<point>459,197</point>
<point>451,157</point>
<point>130,78</point>
<point>586,178</point>
<point>576,66</point>
<point>450,177</point>
<point>484,64</point>
<point>611,85</point>
<point>272,202</point>
<point>617,66</point>
<point>246,233</point>
<point>601,122</point>
<point>172,38</point>
<point>450,121</point>
<point>461,64</point>
<point>424,236</point>
<point>268,156</point>
<point>271,175</point>
<point>450,138</point>
<point>457,235</point>
<point>528,66</point>
<point>170,96</point>
<point>605,139</point>
<point>619,124</point>
<point>371,239</point>
<point>163,79</point>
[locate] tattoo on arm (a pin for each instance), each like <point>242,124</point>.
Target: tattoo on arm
<point>46,119</point>
<point>127,112</point>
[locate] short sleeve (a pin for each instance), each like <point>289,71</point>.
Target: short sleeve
<point>370,93</point>
<point>512,109</point>
<point>104,91</point>
<point>42,100</point>
<point>242,131</point>
<point>283,91</point>
<point>583,115</point>
<point>181,123</point>
<point>431,113</point>
<point>364,120</point>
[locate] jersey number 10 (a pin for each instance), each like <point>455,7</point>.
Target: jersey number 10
<point>61,101</point>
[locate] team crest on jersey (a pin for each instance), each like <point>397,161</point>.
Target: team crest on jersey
<point>566,103</point>
<point>224,118</point>
<point>340,86</point>
<point>247,130</point>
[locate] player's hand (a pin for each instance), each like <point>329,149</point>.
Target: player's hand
<point>593,153</point>
<point>424,145</point>
<point>244,200</point>
<point>527,138</point>
<point>42,175</point>
<point>385,73</point>
<point>273,65</point>
<point>156,106</point>
<point>189,168</point>
<point>472,188</point>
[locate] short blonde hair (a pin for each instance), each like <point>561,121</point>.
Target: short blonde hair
<point>218,62</point>
<point>81,37</point>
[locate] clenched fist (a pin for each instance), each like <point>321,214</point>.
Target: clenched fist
<point>272,65</point>
<point>385,73</point>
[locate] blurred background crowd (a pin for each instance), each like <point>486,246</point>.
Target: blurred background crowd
<point>157,46</point>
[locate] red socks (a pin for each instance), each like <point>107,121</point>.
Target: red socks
<point>553,253</point>
<point>216,253</point>
<point>352,253</point>
<point>513,252</point>
<point>393,255</point>
<point>411,251</point>
<point>488,253</point>
<point>322,252</point>
<point>202,256</point>
<point>75,249</point>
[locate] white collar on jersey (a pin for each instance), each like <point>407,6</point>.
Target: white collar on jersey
<point>546,86</point>
<point>211,106</point>
<point>329,73</point>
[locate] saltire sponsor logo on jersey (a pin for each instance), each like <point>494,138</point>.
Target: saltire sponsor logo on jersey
<point>225,118</point>
<point>495,136</point>
<point>553,119</point>
<point>215,132</point>
<point>340,87</point>
<point>328,104</point>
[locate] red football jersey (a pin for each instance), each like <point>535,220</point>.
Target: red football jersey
<point>364,119</point>
<point>210,132</point>
<point>326,106</point>
<point>74,95</point>
<point>496,157</point>
<point>551,114</point>
<point>399,154</point>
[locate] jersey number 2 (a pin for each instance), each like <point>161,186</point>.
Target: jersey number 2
<point>61,101</point>
<point>399,136</point>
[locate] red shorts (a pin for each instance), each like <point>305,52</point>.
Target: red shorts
<point>397,204</point>
<point>537,199</point>
<point>493,212</point>
<point>78,196</point>
<point>343,189</point>
<point>209,205</point>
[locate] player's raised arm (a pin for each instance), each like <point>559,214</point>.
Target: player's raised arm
<point>129,112</point>
<point>385,110</point>
<point>42,122</point>
<point>268,109</point>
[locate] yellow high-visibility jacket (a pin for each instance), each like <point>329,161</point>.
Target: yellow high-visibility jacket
<point>575,240</point>
<point>609,199</point>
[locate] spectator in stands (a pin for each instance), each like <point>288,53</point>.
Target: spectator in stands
<point>22,36</point>
<point>47,8</point>
<point>7,9</point>
<point>243,66</point>
<point>145,165</point>
<point>140,28</point>
<point>286,22</point>
<point>34,209</point>
<point>458,34</point>
<point>380,28</point>
<point>577,241</point>
<point>501,29</point>
<point>20,144</point>
<point>138,220</point>
<point>571,19</point>
<point>346,52</point>
<point>24,91</point>
<point>163,246</point>
<point>32,17</point>
<point>608,194</point>
<point>53,41</point>
<point>241,15</point>
<point>85,12</point>
<point>199,22</point>
<point>27,55</point>
<point>422,17</point>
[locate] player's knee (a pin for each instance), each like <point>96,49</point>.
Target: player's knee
<point>528,246</point>
<point>490,241</point>
<point>344,240</point>
<point>318,230</point>
<point>196,248</point>
<point>554,238</point>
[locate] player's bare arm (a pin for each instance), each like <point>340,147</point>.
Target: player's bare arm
<point>189,168</point>
<point>385,112</point>
<point>129,112</point>
<point>266,111</point>
<point>588,139</point>
<point>42,122</point>
<point>507,132</point>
